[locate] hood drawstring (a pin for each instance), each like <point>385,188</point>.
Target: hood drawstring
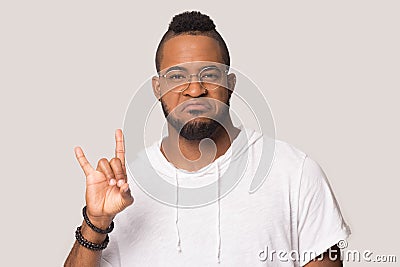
<point>219,214</point>
<point>178,246</point>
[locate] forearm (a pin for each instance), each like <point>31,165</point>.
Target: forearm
<point>330,258</point>
<point>107,194</point>
<point>81,256</point>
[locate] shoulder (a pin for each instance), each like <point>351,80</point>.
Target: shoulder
<point>305,170</point>
<point>276,164</point>
<point>288,150</point>
<point>288,157</point>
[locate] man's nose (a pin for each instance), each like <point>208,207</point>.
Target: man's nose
<point>195,89</point>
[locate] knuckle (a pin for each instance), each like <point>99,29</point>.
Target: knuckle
<point>115,161</point>
<point>120,175</point>
<point>103,161</point>
<point>109,175</point>
<point>120,150</point>
<point>130,201</point>
<point>85,164</point>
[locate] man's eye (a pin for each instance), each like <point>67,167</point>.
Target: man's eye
<point>177,77</point>
<point>210,76</point>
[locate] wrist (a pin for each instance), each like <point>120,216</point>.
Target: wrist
<point>91,235</point>
<point>100,222</point>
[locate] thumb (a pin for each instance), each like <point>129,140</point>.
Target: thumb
<point>126,194</point>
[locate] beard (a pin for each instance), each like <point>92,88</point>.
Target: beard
<point>199,127</point>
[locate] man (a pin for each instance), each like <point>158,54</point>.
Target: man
<point>293,212</point>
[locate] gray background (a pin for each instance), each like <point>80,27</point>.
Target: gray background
<point>330,72</point>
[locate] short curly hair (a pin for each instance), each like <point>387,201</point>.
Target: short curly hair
<point>192,23</point>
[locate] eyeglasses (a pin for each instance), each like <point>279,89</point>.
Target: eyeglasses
<point>210,78</point>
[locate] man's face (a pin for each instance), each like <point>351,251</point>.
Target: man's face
<point>192,109</point>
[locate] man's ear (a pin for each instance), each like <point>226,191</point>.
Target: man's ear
<point>155,82</point>
<point>231,82</point>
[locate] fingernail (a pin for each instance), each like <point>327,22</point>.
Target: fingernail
<point>113,182</point>
<point>120,183</point>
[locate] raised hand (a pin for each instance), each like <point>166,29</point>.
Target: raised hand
<point>107,190</point>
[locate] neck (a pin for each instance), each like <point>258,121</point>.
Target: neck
<point>193,155</point>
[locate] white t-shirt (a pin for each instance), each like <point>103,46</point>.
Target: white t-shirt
<point>292,217</point>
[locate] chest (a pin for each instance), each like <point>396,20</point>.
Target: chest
<point>238,227</point>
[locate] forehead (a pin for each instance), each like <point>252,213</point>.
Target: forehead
<point>188,48</point>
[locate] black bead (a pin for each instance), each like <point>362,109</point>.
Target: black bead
<point>93,227</point>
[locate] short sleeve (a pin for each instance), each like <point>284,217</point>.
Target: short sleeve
<point>104,263</point>
<point>320,222</point>
<point>111,255</point>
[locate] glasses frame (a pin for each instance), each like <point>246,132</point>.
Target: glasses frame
<point>189,80</point>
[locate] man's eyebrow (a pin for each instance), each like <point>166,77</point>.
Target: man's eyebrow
<point>209,67</point>
<point>175,68</point>
<point>184,69</point>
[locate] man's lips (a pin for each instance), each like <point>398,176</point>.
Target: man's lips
<point>195,105</point>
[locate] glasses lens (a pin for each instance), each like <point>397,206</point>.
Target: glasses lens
<point>176,79</point>
<point>211,78</point>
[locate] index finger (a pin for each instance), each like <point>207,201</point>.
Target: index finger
<point>120,146</point>
<point>80,156</point>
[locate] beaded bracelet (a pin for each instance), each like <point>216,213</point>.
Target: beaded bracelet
<point>90,245</point>
<point>93,227</point>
